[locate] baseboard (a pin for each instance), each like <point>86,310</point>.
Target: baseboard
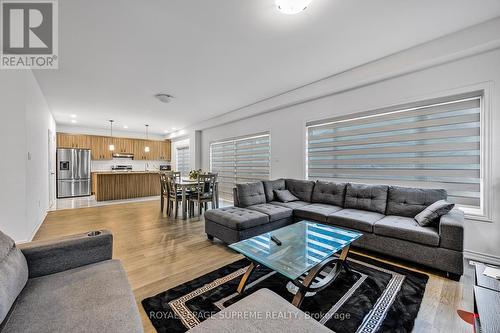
<point>482,257</point>
<point>35,230</point>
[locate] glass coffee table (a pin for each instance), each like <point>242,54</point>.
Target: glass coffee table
<point>303,247</point>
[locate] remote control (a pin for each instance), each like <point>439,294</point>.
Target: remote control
<point>276,240</point>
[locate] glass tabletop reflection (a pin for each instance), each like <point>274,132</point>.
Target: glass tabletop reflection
<point>303,245</point>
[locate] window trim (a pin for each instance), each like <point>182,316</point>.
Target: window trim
<point>481,90</point>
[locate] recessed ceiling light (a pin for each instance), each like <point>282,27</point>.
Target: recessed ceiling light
<point>73,116</point>
<point>73,121</point>
<point>291,7</point>
<point>166,131</point>
<point>125,126</point>
<point>174,128</point>
<point>164,98</point>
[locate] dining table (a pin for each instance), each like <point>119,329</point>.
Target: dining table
<point>189,184</point>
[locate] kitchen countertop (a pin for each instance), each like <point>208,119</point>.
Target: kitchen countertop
<point>124,172</point>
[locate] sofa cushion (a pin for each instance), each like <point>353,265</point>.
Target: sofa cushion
<point>13,273</point>
<point>406,228</point>
<point>302,189</point>
<point>285,196</point>
<point>260,312</point>
<point>275,212</point>
<point>251,194</point>
<point>366,197</point>
<point>409,201</point>
<point>355,219</point>
<point>91,298</point>
<point>291,205</point>
<point>318,212</point>
<point>237,218</point>
<point>271,185</point>
<point>430,215</point>
<point>329,193</point>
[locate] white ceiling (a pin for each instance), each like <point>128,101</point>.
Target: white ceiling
<point>219,55</point>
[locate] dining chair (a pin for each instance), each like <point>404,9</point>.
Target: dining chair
<point>174,195</point>
<point>163,192</point>
<point>203,193</point>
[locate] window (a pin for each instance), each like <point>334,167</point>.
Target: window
<point>242,160</point>
<point>182,161</point>
<point>431,145</point>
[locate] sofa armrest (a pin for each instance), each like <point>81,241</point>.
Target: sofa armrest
<point>451,230</point>
<point>53,256</point>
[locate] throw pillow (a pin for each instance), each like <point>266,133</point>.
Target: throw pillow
<point>285,196</point>
<point>430,215</point>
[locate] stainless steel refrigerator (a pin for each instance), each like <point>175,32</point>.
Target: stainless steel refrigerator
<point>73,173</point>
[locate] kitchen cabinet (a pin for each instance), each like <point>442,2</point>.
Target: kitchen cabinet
<point>100,148</point>
<point>164,147</point>
<point>99,145</point>
<point>139,153</point>
<point>73,141</point>
<point>123,145</point>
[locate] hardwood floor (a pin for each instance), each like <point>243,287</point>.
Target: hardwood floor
<point>160,253</point>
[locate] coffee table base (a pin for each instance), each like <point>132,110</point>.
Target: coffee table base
<point>307,284</point>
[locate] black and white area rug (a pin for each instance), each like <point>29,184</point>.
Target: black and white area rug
<point>375,297</point>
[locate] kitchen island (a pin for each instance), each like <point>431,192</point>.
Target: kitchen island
<point>119,185</point>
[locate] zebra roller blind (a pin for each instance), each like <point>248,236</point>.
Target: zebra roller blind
<point>242,160</point>
<point>183,161</point>
<point>433,146</point>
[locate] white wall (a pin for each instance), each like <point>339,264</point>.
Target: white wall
<point>13,152</point>
<point>287,125</point>
<point>24,172</point>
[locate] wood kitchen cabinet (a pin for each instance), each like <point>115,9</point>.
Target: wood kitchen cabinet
<point>73,141</point>
<point>158,150</point>
<point>100,148</point>
<point>164,147</point>
<point>139,153</point>
<point>123,145</point>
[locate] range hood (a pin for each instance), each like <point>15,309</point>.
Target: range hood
<point>123,155</point>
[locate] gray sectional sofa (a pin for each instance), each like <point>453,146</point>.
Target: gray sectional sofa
<point>384,214</point>
<point>68,285</point>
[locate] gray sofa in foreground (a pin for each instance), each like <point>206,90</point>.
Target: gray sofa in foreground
<point>384,214</point>
<point>67,285</point>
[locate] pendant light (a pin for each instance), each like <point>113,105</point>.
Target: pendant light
<point>111,145</point>
<point>146,148</point>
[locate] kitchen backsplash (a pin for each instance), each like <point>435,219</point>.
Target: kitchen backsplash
<point>136,165</point>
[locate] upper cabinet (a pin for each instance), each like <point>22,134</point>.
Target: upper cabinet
<point>100,148</point>
<point>99,145</point>
<point>73,141</point>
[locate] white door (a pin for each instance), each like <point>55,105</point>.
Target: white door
<point>52,169</point>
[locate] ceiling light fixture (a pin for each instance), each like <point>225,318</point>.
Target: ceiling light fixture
<point>146,148</point>
<point>73,116</point>
<point>111,145</point>
<point>73,121</point>
<point>291,7</point>
<point>164,98</point>
<point>125,126</point>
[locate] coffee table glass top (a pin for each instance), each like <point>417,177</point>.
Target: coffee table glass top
<point>303,245</point>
